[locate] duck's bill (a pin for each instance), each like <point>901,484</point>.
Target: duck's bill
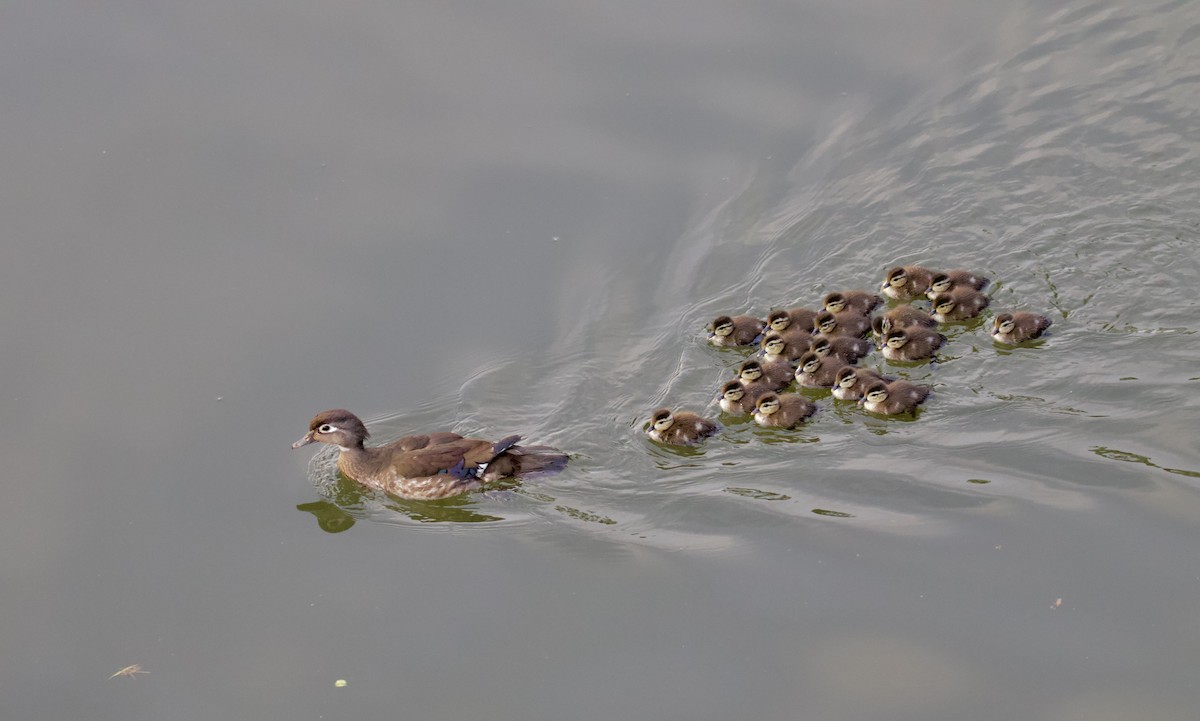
<point>308,438</point>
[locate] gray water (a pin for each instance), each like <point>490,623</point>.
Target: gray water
<point>221,219</point>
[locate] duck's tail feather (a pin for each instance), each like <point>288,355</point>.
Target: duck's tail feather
<point>525,462</point>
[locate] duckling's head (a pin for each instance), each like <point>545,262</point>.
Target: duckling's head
<point>846,377</point>
<point>337,427</point>
<point>810,362</point>
<point>722,326</point>
<point>825,322</point>
<point>942,282</point>
<point>834,302</point>
<point>768,404</point>
<point>896,338</point>
<point>750,371</point>
<point>773,344</point>
<point>779,320</point>
<point>944,303</point>
<point>877,392</point>
<point>733,390</point>
<point>880,325</point>
<point>662,419</point>
<point>821,346</point>
<point>1003,323</point>
<point>897,277</point>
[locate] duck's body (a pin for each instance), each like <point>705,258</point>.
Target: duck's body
<point>761,376</point>
<point>782,410</point>
<point>727,331</point>
<point>817,371</point>
<point>847,323</point>
<point>958,304</point>
<point>681,428</point>
<point>848,348</point>
<point>859,301</point>
<point>945,281</point>
<point>429,466</point>
<point>1019,326</point>
<point>787,346</point>
<point>737,400</point>
<point>894,398</point>
<point>902,316</point>
<point>906,282</point>
<point>912,344</point>
<point>850,383</point>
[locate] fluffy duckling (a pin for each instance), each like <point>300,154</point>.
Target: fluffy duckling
<point>843,346</point>
<point>737,400</point>
<point>727,331</point>
<point>943,282</point>
<point>760,375</point>
<point>851,383</point>
<point>782,410</point>
<point>791,319</point>
<point>906,282</point>
<point>846,323</point>
<point>1018,326</point>
<point>902,316</point>
<point>681,428</point>
<point>911,344</point>
<point>777,347</point>
<point>894,398</point>
<point>859,301</point>
<point>818,371</point>
<point>958,304</point>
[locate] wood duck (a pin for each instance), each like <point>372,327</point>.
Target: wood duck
<point>902,316</point>
<point>430,466</point>
<point>681,428</point>
<point>763,376</point>
<point>945,281</point>
<point>850,383</point>
<point>894,398</point>
<point>791,319</point>
<point>906,282</point>
<point>847,323</point>
<point>735,330</point>
<point>777,347</point>
<point>845,347</point>
<point>782,410</point>
<point>911,344</point>
<point>859,301</point>
<point>958,304</point>
<point>818,372</point>
<point>1019,326</point>
<point>737,400</point>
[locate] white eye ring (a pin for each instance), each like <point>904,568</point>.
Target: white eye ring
<point>327,428</point>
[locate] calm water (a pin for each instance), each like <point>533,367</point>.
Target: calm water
<point>222,219</point>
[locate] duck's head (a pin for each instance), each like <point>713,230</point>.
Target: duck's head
<point>1003,323</point>
<point>896,338</point>
<point>733,390</point>
<point>337,427</point>
<point>773,344</point>
<point>750,371</point>
<point>779,320</point>
<point>846,377</point>
<point>810,362</point>
<point>877,392</point>
<point>662,419</point>
<point>722,326</point>
<point>834,302</point>
<point>896,277</point>
<point>825,322</point>
<point>768,404</point>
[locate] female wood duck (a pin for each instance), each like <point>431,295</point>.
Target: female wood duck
<point>958,304</point>
<point>681,428</point>
<point>737,400</point>
<point>1019,326</point>
<point>763,376</point>
<point>735,330</point>
<point>859,301</point>
<point>430,466</point>
<point>902,316</point>
<point>906,282</point>
<point>945,281</point>
<point>783,410</point>
<point>845,347</point>
<point>894,398</point>
<point>911,344</point>
<point>851,383</point>
<point>847,323</point>
<point>818,371</point>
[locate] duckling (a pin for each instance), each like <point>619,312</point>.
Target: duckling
<point>758,375</point>
<point>1018,326</point>
<point>844,347</point>
<point>850,382</point>
<point>818,372</point>
<point>902,316</point>
<point>430,466</point>
<point>727,331</point>
<point>894,398</point>
<point>777,347</point>
<point>791,319</point>
<point>737,400</point>
<point>681,428</point>
<point>782,410</point>
<point>859,301</point>
<point>906,282</point>
<point>846,323</point>
<point>911,344</point>
<point>958,304</point>
<point>943,282</point>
